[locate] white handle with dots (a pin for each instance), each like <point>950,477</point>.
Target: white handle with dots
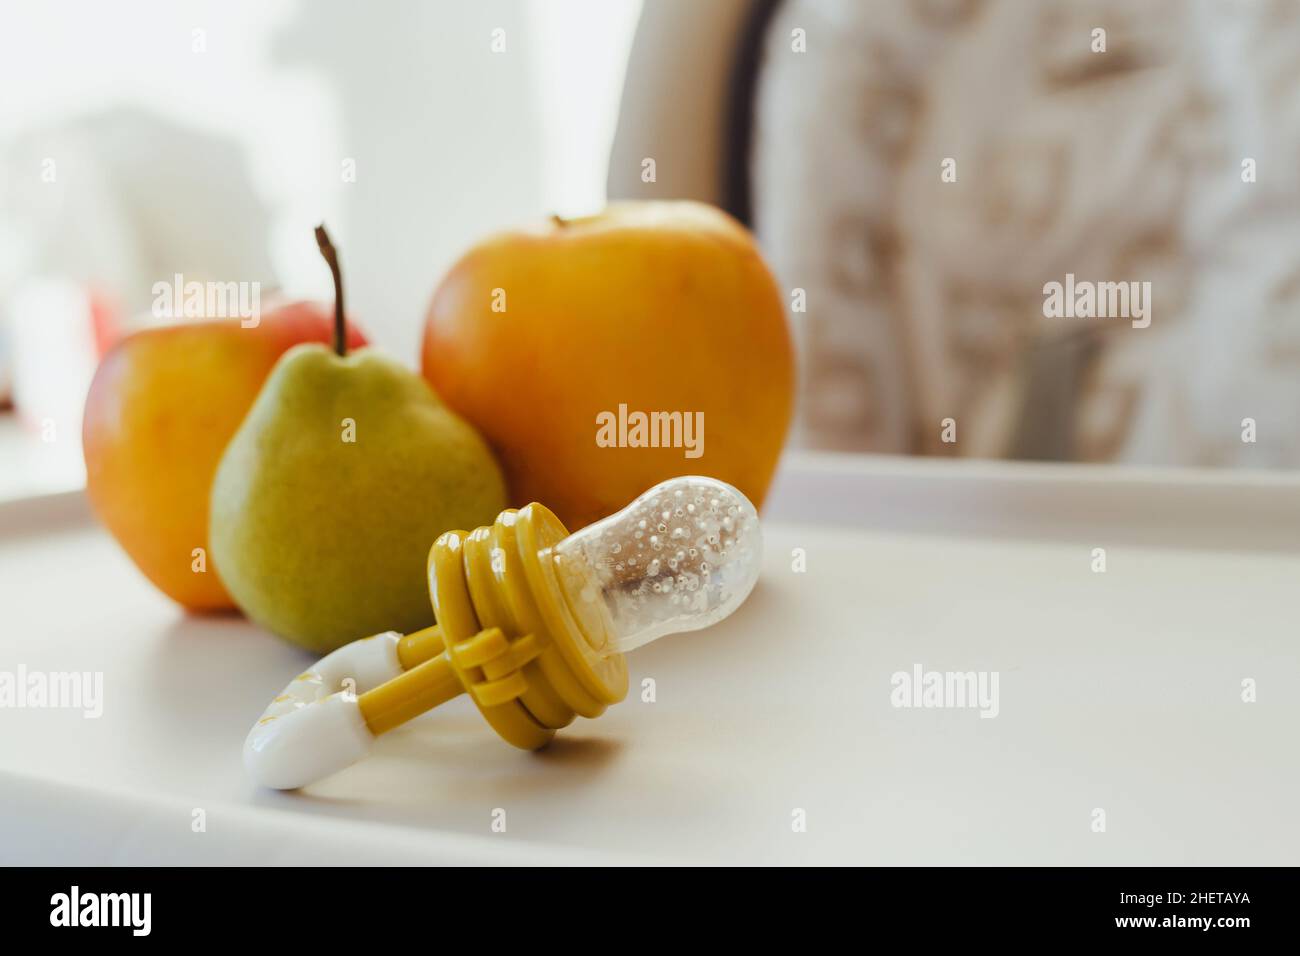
<point>315,727</point>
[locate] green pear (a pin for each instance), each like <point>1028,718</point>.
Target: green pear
<point>330,494</point>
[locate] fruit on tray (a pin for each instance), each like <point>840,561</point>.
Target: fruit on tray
<point>601,355</point>
<point>163,404</point>
<point>327,498</point>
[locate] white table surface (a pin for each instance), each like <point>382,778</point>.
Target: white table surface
<point>32,466</point>
<point>1119,691</point>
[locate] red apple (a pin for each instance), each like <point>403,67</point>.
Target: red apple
<point>161,409</point>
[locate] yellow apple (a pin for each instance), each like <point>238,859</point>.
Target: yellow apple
<point>601,355</point>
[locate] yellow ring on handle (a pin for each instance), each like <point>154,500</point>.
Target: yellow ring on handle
<point>551,670</point>
<point>449,591</point>
<point>492,562</point>
<point>590,681</point>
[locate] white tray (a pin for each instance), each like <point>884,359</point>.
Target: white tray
<point>1119,691</point>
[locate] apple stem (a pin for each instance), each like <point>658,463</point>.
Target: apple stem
<point>332,257</point>
<point>559,220</point>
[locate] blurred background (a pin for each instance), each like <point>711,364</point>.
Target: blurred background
<point>148,138</point>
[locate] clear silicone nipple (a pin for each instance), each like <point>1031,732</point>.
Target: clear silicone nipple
<point>680,557</point>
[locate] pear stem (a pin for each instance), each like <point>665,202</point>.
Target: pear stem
<point>332,257</point>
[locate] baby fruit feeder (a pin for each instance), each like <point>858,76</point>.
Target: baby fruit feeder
<point>533,623</point>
